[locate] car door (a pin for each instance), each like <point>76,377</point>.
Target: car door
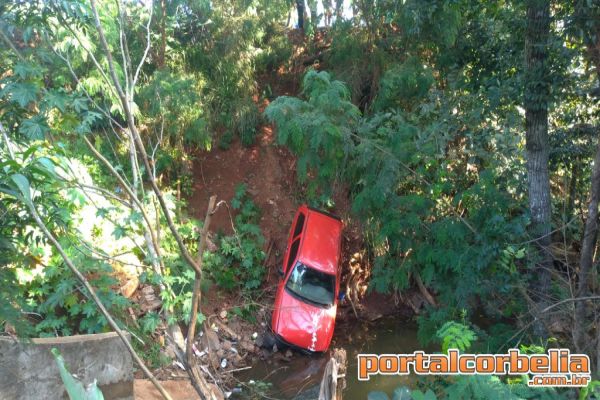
<point>290,256</point>
<point>293,243</point>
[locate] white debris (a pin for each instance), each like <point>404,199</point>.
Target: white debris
<point>180,365</point>
<point>196,351</point>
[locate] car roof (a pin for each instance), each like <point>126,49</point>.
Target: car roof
<point>321,240</point>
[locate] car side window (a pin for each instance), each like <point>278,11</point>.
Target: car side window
<point>299,224</point>
<point>293,253</point>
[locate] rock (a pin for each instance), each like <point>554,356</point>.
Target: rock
<point>226,345</point>
<point>275,349</point>
<point>237,360</point>
<point>169,351</point>
<point>148,300</point>
<point>223,314</point>
<point>130,286</point>
<point>221,353</point>
<point>175,337</point>
<point>247,345</point>
<point>259,342</point>
<point>210,340</point>
<point>214,360</point>
<point>148,290</point>
<point>264,354</point>
<point>288,354</point>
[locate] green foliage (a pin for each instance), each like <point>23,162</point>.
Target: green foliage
<point>75,389</point>
<point>172,106</point>
<point>257,389</point>
<point>352,60</point>
<point>153,353</point>
<point>455,335</point>
<point>317,130</point>
<point>591,391</point>
<point>476,387</point>
<point>236,41</point>
<point>238,263</point>
<point>45,289</point>
<point>421,201</point>
<point>419,121</point>
<point>275,50</point>
<point>404,85</point>
<point>244,122</point>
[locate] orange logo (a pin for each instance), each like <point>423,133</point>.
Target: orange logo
<point>557,368</point>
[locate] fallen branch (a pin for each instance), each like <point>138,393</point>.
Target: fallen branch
<point>232,335</point>
<point>424,290</point>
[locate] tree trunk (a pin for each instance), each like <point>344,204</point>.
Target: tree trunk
<point>300,8</point>
<point>339,8</point>
<point>160,63</point>
<point>327,11</point>
<point>314,15</point>
<point>536,126</point>
<point>333,382</point>
<point>571,192</point>
<point>586,260</point>
<point>588,20</point>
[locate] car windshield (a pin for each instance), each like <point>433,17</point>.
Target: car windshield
<point>311,285</point>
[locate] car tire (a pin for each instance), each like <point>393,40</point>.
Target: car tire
<point>267,340</point>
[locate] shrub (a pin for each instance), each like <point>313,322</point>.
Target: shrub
<point>239,261</point>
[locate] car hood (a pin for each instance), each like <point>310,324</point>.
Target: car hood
<point>305,325</point>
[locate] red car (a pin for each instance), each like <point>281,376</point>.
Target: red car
<point>307,294</point>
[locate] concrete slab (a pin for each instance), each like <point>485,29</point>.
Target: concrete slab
<point>28,370</point>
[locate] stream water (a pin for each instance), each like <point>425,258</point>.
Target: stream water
<point>300,377</point>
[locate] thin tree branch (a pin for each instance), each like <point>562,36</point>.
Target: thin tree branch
<point>131,123</point>
<point>148,43</point>
<point>197,378</point>
<point>96,299</point>
<point>7,141</point>
<point>126,187</point>
<point>196,294</point>
<point>11,45</point>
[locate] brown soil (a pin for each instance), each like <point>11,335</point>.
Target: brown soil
<point>267,171</point>
<point>178,389</point>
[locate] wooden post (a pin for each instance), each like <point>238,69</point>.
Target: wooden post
<point>334,382</point>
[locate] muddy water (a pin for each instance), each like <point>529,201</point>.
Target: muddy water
<point>300,377</point>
